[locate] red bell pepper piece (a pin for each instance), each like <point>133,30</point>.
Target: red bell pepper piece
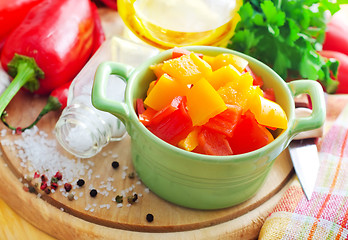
<point>342,71</point>
<point>139,106</point>
<point>249,135</point>
<point>166,111</point>
<point>175,126</point>
<point>178,52</point>
<point>52,44</point>
<point>225,122</point>
<point>213,143</point>
<point>269,94</point>
<point>12,13</point>
<point>257,79</point>
<point>146,117</point>
<point>56,101</point>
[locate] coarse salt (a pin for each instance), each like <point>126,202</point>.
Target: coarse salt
<point>39,153</point>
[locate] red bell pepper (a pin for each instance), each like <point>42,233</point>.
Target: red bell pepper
<point>178,52</point>
<point>12,13</point>
<point>269,94</point>
<point>342,72</point>
<point>257,80</point>
<point>110,3</point>
<point>249,135</point>
<point>174,126</point>
<point>225,122</point>
<point>56,101</point>
<point>213,143</point>
<point>52,44</point>
<point>98,32</point>
<point>337,31</point>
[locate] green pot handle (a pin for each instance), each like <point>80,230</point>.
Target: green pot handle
<point>99,99</point>
<point>316,94</point>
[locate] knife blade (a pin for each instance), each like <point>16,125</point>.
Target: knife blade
<point>304,155</point>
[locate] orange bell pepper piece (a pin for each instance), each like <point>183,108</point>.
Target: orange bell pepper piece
<point>269,113</point>
<point>191,141</point>
<point>224,75</point>
<point>225,59</point>
<point>157,69</point>
<point>187,69</point>
<point>238,93</point>
<point>203,102</point>
<point>164,91</point>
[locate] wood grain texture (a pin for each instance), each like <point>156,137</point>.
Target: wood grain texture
<point>130,220</point>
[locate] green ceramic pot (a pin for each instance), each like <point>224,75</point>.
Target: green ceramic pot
<point>195,180</point>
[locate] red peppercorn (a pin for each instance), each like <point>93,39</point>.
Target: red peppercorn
<point>43,185</point>
<point>36,175</point>
<point>18,130</point>
<point>54,186</point>
<point>59,175</point>
<point>44,178</point>
<point>67,187</point>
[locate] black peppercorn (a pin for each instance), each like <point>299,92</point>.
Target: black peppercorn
<point>93,193</point>
<point>119,199</point>
<point>115,164</point>
<point>80,182</point>
<point>149,217</point>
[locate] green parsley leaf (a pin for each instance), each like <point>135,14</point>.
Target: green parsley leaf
<point>286,35</point>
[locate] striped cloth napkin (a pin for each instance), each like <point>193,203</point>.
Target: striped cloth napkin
<point>325,216</point>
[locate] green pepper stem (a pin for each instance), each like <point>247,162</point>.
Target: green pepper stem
<point>25,71</point>
<point>25,74</point>
<point>51,105</point>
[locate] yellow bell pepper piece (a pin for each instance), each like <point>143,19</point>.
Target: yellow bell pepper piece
<point>269,113</point>
<point>240,92</point>
<point>187,69</point>
<point>208,59</point>
<point>191,141</point>
<point>203,102</point>
<point>151,85</point>
<point>224,75</point>
<point>164,91</point>
<point>157,69</point>
<point>226,58</point>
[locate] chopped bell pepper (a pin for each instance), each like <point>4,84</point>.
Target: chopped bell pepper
<point>249,135</point>
<point>175,126</point>
<point>213,143</point>
<point>269,94</point>
<point>146,116</point>
<point>157,69</point>
<point>241,93</point>
<point>151,85</point>
<point>178,52</point>
<point>225,59</point>
<point>257,80</point>
<point>226,121</point>
<point>164,91</point>
<point>191,141</point>
<point>224,75</point>
<point>269,113</point>
<point>187,69</point>
<point>203,102</point>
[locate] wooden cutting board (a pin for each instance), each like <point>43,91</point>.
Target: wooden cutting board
<point>100,217</point>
